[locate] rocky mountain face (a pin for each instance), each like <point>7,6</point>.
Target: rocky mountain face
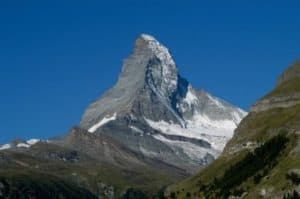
<point>150,130</point>
<point>262,160</point>
<point>157,113</point>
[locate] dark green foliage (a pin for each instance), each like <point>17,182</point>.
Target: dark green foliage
<point>294,195</point>
<point>238,191</point>
<point>24,187</point>
<point>295,178</point>
<point>4,188</point>
<point>173,195</point>
<point>134,194</point>
<point>160,194</point>
<point>188,195</point>
<point>257,178</point>
<point>257,163</point>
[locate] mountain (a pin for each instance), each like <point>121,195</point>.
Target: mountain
<point>151,129</point>
<point>262,160</point>
<point>157,113</point>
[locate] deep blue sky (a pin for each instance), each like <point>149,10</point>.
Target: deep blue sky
<point>58,56</point>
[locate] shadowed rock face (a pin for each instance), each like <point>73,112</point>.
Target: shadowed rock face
<point>150,88</point>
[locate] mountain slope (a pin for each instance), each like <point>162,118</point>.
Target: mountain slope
<point>148,131</point>
<point>96,165</point>
<point>263,157</point>
<point>19,184</point>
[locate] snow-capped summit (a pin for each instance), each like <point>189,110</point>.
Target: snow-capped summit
<point>148,37</point>
<point>150,65</point>
<point>158,50</point>
<point>153,111</point>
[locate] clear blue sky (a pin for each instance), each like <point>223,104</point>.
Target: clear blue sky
<point>58,56</point>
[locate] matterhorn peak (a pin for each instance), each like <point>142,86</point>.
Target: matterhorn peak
<point>147,40</point>
<point>150,67</point>
<point>148,43</point>
<point>160,68</point>
<point>157,113</point>
<point>147,37</point>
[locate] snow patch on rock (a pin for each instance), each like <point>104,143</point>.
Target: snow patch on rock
<point>5,146</point>
<point>105,120</point>
<point>136,130</point>
<point>147,152</point>
<point>215,132</point>
<point>33,141</point>
<point>23,145</point>
<point>28,143</point>
<point>190,98</point>
<point>194,151</point>
<point>216,101</point>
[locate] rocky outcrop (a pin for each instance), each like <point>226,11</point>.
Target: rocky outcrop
<point>276,102</point>
<point>105,191</point>
<point>286,94</point>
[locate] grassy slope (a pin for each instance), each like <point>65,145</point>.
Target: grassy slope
<point>276,176</point>
<point>18,184</point>
<point>87,174</point>
<point>258,127</point>
<point>285,89</point>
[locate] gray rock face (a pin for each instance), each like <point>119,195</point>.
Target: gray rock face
<point>101,147</point>
<point>149,73</point>
<point>155,112</point>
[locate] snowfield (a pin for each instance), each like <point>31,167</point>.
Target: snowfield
<point>215,132</point>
